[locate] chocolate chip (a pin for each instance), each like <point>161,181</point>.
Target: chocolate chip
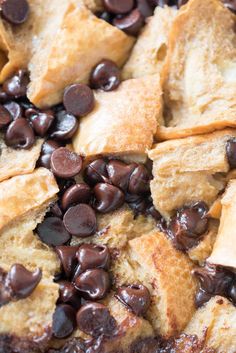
<point>15,11</point>
<point>16,86</point>
<point>65,163</point>
<point>52,231</point>
<point>3,96</point>
<point>14,109</point>
<point>92,256</point>
<point>137,203</point>
<point>202,297</point>
<point>118,6</point>
<point>96,172</point>
<point>55,210</point>
<point>105,16</point>
<point>48,148</point>
<point>65,184</point>
<point>68,294</point>
<point>131,23</point>
<point>80,220</point>
<point>231,152</point>
<point>21,281</point>
<point>20,134</point>
<point>136,297</point>
<point>78,99</point>
<point>5,117</point>
<point>94,319</point>
<point>78,193</point>
<point>119,173</point>
<point>65,126</point>
<point>151,211</point>
<point>105,76</point>
<point>214,279</point>
<point>108,198</point>
<point>64,321</point>
<point>232,293</point>
<point>93,284</point>
<point>144,8</point>
<point>189,225</point>
<point>139,181</point>
<point>41,122</point>
<point>230,4</point>
<point>67,256</point>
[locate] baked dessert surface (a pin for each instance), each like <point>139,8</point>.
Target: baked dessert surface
<point>117,176</point>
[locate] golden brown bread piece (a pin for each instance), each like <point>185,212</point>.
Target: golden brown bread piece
<point>180,165</point>
<point>152,260</point>
<point>65,53</point>
<point>216,323</point>
<point>123,121</point>
<point>16,162</point>
<point>200,84</point>
<point>22,195</point>
<point>149,52</point>
<point>94,5</point>
<point>224,251</point>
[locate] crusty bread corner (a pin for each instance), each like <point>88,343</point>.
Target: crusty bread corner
<point>152,261</point>
<point>199,84</point>
<point>150,50</point>
<point>224,251</point>
<point>179,165</point>
<point>16,162</point>
<point>215,322</point>
<point>66,53</point>
<point>123,122</point>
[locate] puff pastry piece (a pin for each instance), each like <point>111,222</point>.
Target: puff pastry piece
<point>123,121</point>
<point>22,195</point>
<point>199,77</point>
<point>224,251</point>
<point>66,52</point>
<point>150,50</point>
<point>187,170</point>
<point>215,323</point>
<point>152,260</point>
<point>16,162</point>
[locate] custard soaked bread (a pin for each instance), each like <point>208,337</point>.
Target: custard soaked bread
<point>199,74</point>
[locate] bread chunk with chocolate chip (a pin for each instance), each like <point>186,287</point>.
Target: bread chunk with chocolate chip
<point>189,170</point>
<point>123,122</point>
<point>16,162</point>
<point>199,77</point>
<point>224,251</point>
<point>150,50</point>
<point>65,53</point>
<point>166,272</point>
<point>216,323</point>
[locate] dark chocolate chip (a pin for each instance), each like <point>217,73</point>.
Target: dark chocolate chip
<point>144,8</point>
<point>21,281</point>
<point>48,148</point>
<point>93,284</point>
<point>231,152</point>
<point>136,297</point>
<point>20,134</point>
<point>52,231</point>
<point>80,220</point>
<point>65,184</point>
<point>41,122</point>
<point>65,126</point>
<point>67,256</point>
<point>95,319</point>
<point>65,163</point>
<point>202,297</point>
<point>78,193</point>
<point>92,256</point>
<point>16,86</point>
<point>105,76</point>
<point>55,210</point>
<point>15,11</point>
<point>151,211</point>
<point>5,117</point>
<point>14,109</point>
<point>108,198</point>
<point>68,294</point>
<point>96,172</point>
<point>106,16</point>
<point>78,99</point>
<point>118,6</point>
<point>230,4</point>
<point>3,96</point>
<point>131,23</point>
<point>139,181</point>
<point>64,321</point>
<point>232,292</point>
<point>119,173</point>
